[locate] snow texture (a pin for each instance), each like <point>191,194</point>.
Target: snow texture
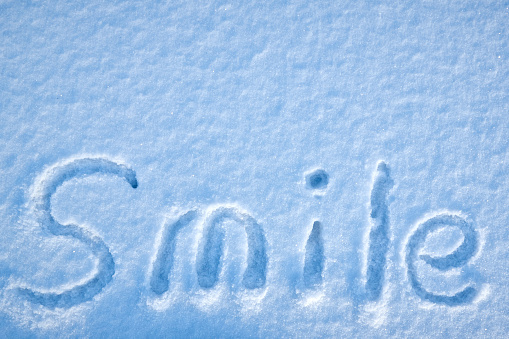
<point>280,169</point>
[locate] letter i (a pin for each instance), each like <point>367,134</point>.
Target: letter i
<point>314,257</point>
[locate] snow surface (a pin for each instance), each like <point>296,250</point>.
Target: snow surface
<point>254,169</point>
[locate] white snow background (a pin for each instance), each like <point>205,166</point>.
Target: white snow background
<point>220,106</point>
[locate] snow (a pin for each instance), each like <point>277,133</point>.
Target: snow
<point>249,169</point>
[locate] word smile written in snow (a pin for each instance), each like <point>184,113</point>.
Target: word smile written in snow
<point>210,250</point>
